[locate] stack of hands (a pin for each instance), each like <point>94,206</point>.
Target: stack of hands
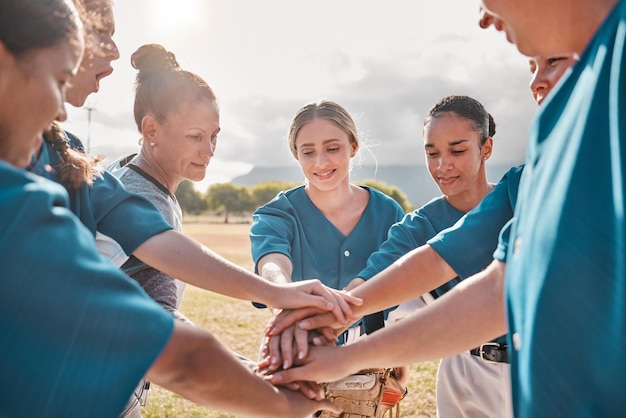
<point>306,338</point>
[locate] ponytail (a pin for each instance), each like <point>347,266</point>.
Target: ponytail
<point>75,168</point>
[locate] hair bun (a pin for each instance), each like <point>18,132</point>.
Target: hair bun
<point>492,125</point>
<point>153,59</point>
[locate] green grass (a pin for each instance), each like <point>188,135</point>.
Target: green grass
<point>240,326</point>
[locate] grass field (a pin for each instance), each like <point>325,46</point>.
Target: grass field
<point>239,325</point>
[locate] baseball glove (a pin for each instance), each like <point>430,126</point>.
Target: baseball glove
<point>368,393</point>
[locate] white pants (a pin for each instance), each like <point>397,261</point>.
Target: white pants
<point>467,387</point>
<point>470,388</point>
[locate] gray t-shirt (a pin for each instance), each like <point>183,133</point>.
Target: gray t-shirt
<point>164,289</point>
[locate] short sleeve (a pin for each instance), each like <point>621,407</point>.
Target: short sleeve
<point>85,331</point>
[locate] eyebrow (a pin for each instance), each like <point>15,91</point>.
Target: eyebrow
<point>326,141</point>
<point>451,144</point>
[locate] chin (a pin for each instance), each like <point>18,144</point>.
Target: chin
<point>76,101</point>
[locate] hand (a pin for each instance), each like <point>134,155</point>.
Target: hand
<point>315,294</point>
<point>280,350</point>
<point>323,364</point>
<point>300,406</point>
<point>306,319</point>
<point>310,390</point>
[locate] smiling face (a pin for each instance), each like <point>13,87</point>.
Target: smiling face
<point>35,83</point>
<point>546,72</point>
<point>100,51</point>
<point>454,156</point>
<point>185,141</point>
<point>324,151</point>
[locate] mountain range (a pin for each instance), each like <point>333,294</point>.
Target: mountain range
<point>413,180</point>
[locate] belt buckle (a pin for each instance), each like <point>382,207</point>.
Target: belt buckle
<point>481,351</point>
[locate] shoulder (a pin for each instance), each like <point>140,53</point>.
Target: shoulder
<point>120,166</point>
<point>378,198</point>
<point>436,205</point>
<point>286,199</point>
<point>74,141</point>
<point>18,185</point>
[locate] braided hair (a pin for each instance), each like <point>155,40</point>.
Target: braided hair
<point>76,168</point>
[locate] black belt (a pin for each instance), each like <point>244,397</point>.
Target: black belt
<point>492,353</point>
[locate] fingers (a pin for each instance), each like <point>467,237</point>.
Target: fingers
<point>309,389</point>
<point>283,377</point>
<point>286,346</point>
<point>327,337</point>
<point>273,348</point>
<point>340,307</point>
<point>340,301</point>
<point>316,322</point>
<point>301,338</point>
<point>288,318</point>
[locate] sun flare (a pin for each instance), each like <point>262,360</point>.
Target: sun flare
<point>176,12</point>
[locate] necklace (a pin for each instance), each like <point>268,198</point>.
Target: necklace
<point>162,180</point>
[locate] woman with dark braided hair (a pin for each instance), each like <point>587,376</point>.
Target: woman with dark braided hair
<point>77,333</point>
<point>124,223</point>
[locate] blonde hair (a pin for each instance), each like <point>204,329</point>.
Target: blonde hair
<point>322,109</point>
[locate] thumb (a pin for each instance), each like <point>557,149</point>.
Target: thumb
<point>283,377</point>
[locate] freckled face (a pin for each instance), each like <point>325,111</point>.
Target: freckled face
<point>324,152</point>
<point>100,51</point>
<point>453,154</point>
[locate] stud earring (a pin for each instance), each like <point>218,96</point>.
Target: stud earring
<point>152,145</point>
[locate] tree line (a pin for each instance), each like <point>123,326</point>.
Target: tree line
<point>229,198</point>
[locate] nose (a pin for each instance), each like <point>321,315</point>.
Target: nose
<point>485,19</point>
<point>209,148</point>
<point>444,163</point>
<point>320,159</point>
<point>62,115</point>
<point>538,83</point>
<point>110,49</point>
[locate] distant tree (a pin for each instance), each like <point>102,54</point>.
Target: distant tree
<point>392,191</point>
<point>263,192</point>
<point>189,199</point>
<point>228,197</point>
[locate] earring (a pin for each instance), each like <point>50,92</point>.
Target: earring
<point>152,145</point>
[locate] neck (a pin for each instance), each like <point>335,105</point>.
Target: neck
<point>330,200</point>
<point>150,166</point>
<point>469,199</point>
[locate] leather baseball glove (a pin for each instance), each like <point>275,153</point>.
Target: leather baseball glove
<point>368,393</point>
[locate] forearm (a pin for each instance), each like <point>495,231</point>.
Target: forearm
<point>467,316</point>
<point>198,367</point>
<point>276,268</point>
<point>414,274</point>
<point>179,256</point>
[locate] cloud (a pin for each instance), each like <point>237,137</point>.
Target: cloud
<point>387,63</point>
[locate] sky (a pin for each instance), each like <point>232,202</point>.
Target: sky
<point>386,62</point>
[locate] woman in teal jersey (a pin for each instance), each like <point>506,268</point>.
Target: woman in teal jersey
<point>565,276</point>
<point>327,228</point>
<point>76,340</point>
